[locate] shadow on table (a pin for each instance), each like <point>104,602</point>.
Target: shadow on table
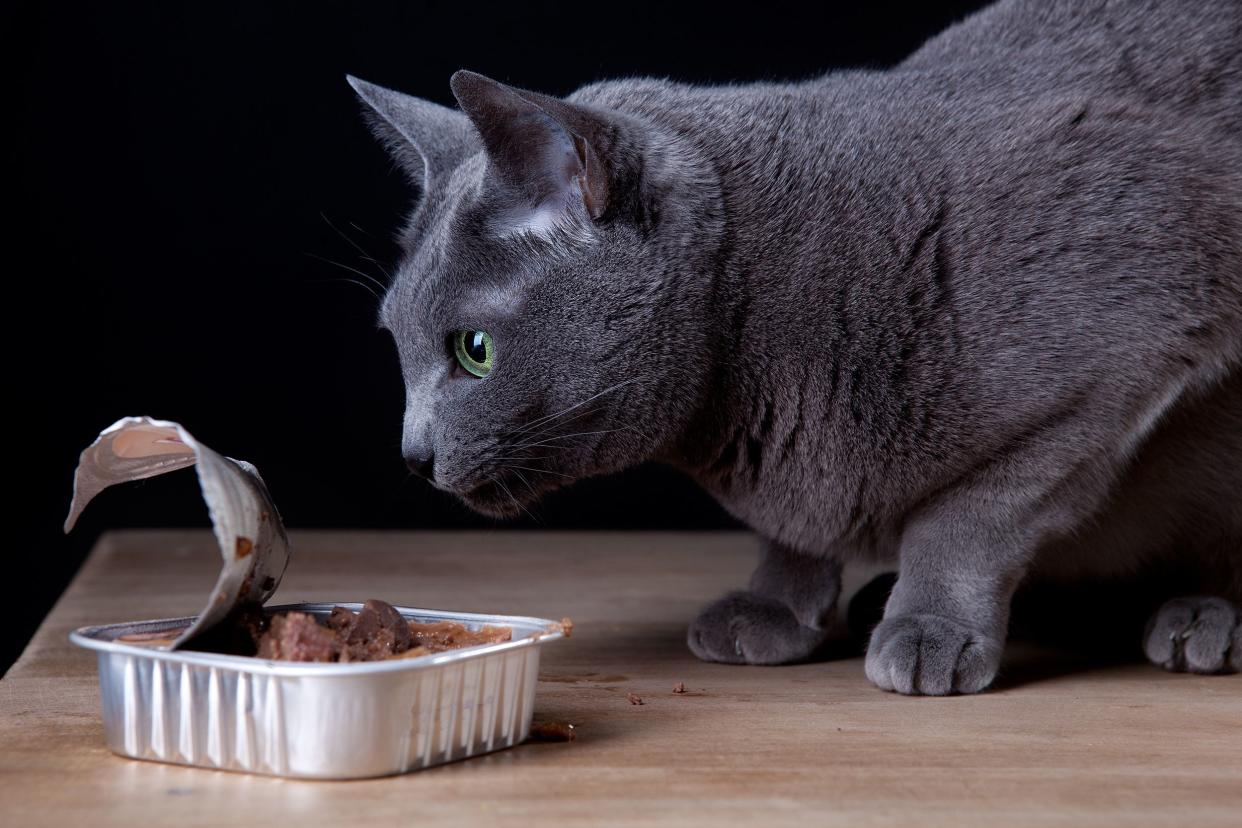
<point>1054,633</point>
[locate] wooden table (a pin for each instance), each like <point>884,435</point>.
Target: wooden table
<point>813,744</point>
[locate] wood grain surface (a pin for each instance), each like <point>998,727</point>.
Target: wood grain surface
<point>1058,742</point>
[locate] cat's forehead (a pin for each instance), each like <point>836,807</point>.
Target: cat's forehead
<point>465,251</point>
<point>456,261</point>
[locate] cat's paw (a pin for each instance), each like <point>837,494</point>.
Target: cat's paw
<point>931,655</point>
<point>1195,635</point>
<point>743,628</point>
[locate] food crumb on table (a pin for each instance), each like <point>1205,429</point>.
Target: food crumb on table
<point>679,687</point>
<point>552,732</point>
<point>633,698</point>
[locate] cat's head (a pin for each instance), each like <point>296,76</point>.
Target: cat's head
<point>553,305</point>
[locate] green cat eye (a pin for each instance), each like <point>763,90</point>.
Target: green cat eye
<point>474,351</point>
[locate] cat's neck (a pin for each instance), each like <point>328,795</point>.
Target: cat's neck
<point>834,320</point>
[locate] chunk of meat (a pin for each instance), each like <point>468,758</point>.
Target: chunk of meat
<point>378,632</point>
<point>297,636</point>
<point>341,620</point>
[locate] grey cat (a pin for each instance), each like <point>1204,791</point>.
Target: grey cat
<point>979,315</point>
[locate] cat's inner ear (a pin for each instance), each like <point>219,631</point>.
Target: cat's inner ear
<point>426,140</point>
<point>540,146</point>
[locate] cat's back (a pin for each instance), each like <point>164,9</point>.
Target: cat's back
<point>1179,56</point>
<point>1180,61</point>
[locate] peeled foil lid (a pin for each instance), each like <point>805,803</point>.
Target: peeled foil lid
<point>253,543</point>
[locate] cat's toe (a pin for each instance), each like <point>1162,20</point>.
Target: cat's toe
<point>1195,635</point>
<point>931,655</point>
<point>744,628</point>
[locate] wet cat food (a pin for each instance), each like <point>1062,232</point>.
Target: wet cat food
<point>375,633</point>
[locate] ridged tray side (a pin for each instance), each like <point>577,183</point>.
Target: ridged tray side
<point>321,727</point>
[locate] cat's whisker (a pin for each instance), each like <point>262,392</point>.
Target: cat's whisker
<point>564,411</point>
<point>552,434</point>
<point>519,458</point>
<point>364,254</point>
<point>365,287</point>
<point>366,276</point>
<point>549,443</point>
<point>551,440</point>
<point>551,429</point>
<point>540,471</point>
<point>516,502</point>
<point>526,430</point>
<point>642,434</point>
<point>526,482</point>
<point>360,230</point>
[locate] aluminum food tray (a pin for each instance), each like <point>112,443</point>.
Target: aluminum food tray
<point>317,721</point>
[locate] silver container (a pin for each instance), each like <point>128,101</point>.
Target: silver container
<point>317,721</point>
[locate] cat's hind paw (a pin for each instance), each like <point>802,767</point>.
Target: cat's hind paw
<point>745,628</point>
<point>1195,635</point>
<point>931,656</point>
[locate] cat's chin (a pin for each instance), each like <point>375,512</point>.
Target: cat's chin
<point>495,501</point>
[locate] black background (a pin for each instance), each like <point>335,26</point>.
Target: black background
<point>178,169</point>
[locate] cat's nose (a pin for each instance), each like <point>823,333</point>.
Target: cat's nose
<point>422,463</point>
<point>418,440</point>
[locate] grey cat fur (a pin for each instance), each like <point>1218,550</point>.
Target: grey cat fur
<point>979,315</point>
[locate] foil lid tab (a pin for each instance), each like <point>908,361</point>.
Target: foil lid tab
<point>253,543</point>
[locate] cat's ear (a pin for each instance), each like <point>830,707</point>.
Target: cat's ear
<point>546,148</point>
<point>426,140</point>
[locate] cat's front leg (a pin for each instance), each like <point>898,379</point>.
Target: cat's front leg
<point>946,619</point>
<point>783,617</point>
